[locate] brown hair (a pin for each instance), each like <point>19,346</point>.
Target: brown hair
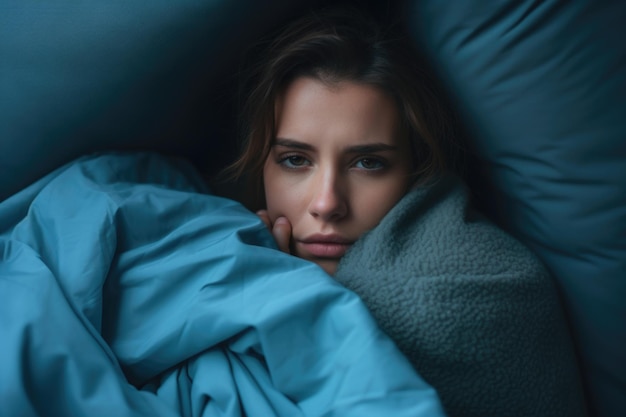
<point>334,46</point>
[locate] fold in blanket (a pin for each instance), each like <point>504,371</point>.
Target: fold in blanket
<point>126,292</point>
<point>476,313</point>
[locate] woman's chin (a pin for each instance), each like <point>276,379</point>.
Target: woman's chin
<point>328,265</point>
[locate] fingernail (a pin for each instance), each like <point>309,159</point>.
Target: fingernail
<point>281,220</point>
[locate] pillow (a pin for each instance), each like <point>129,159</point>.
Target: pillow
<point>82,76</point>
<point>541,90</point>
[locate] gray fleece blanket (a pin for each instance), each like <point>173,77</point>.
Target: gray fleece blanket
<point>475,312</point>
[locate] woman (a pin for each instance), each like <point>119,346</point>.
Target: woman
<point>341,124</point>
<point>345,135</point>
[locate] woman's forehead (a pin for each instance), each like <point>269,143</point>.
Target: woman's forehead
<point>309,106</point>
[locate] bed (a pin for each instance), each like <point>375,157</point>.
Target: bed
<point>540,91</point>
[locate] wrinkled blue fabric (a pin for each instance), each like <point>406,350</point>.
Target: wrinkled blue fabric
<point>127,290</point>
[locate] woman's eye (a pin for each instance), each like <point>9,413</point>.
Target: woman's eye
<point>293,161</point>
<point>369,164</point>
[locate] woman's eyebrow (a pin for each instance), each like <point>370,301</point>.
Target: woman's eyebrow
<point>294,144</point>
<point>356,149</point>
<point>372,148</point>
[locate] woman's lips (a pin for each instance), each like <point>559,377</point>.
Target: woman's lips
<point>324,246</point>
<point>326,250</point>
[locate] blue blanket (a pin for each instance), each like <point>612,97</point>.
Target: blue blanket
<point>127,290</point>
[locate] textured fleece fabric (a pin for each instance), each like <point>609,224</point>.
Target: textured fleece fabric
<point>473,309</point>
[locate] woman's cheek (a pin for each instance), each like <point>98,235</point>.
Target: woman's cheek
<point>277,203</point>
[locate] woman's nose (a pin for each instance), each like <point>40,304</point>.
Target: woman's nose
<point>329,200</point>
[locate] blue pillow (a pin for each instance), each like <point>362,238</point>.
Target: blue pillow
<point>82,76</point>
<point>541,89</point>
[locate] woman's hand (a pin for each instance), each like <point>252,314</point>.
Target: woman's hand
<point>281,230</point>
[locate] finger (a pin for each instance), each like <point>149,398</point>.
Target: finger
<point>265,217</point>
<point>282,233</point>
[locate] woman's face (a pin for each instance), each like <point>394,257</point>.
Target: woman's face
<point>338,164</point>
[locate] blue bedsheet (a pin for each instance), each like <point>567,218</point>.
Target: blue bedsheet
<point>126,291</point>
